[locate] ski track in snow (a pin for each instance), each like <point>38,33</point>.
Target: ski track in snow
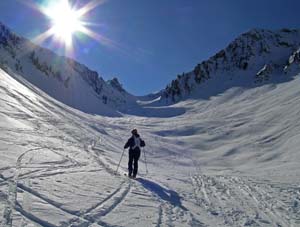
<point>69,143</point>
<point>86,218</point>
<point>212,193</point>
<point>167,211</point>
<point>243,201</point>
<point>107,205</point>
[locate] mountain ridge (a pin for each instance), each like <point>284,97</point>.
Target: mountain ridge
<point>59,76</point>
<point>254,58</point>
<point>257,52</point>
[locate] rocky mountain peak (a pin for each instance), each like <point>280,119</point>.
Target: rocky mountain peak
<point>253,54</point>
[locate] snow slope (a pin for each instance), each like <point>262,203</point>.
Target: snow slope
<point>230,158</point>
<point>62,78</point>
<point>228,161</point>
<point>69,81</point>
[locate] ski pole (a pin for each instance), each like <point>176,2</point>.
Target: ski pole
<point>145,161</point>
<point>120,160</point>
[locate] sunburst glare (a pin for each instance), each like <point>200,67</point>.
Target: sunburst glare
<point>66,21</point>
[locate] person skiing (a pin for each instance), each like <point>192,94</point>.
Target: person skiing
<point>134,143</point>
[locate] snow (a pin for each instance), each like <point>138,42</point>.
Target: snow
<point>231,160</point>
<point>62,78</point>
<point>227,154</point>
<point>246,62</point>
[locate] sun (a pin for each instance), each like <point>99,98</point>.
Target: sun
<point>65,20</point>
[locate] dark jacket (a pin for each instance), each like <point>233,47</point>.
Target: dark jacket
<point>131,143</point>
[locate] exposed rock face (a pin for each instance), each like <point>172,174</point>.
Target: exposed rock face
<point>116,84</point>
<point>256,54</point>
<point>293,62</point>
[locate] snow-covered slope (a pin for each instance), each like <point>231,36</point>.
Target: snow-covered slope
<point>248,61</point>
<point>228,160</point>
<point>232,160</point>
<point>62,78</point>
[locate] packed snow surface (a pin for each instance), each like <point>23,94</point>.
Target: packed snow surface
<point>230,160</point>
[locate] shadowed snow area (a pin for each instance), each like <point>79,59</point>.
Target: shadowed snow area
<point>232,160</point>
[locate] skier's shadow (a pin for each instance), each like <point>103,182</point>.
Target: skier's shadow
<point>168,195</point>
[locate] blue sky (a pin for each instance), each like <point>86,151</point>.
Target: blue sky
<point>158,39</point>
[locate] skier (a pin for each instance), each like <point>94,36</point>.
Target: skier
<point>134,143</point>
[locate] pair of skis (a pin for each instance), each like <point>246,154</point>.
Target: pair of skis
<point>130,177</point>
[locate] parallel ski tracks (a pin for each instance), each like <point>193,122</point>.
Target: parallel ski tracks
<point>169,213</point>
<point>238,202</point>
<point>90,216</point>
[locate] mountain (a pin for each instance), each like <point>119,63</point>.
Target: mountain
<point>62,78</point>
<point>228,160</point>
<point>256,57</point>
<point>232,161</point>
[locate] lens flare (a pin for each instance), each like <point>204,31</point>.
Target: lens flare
<point>67,21</point>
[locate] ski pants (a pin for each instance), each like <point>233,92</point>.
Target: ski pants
<point>134,156</point>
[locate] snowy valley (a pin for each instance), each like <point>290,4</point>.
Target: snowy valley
<point>222,141</point>
<point>62,78</point>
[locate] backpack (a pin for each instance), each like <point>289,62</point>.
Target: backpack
<point>138,142</point>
